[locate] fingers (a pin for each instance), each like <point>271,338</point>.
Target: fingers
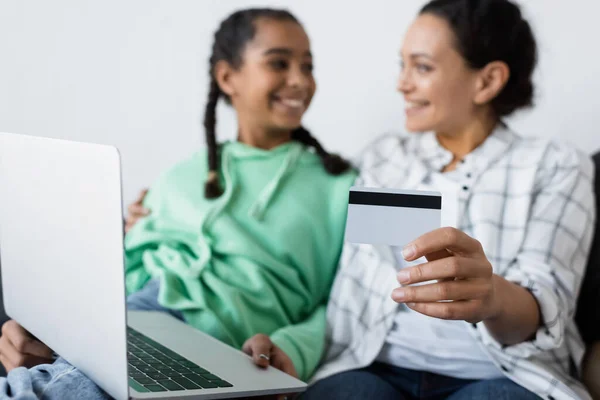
<point>136,210</point>
<point>12,358</point>
<point>447,238</point>
<point>137,207</point>
<point>260,348</point>
<point>23,342</point>
<point>458,310</point>
<point>142,196</point>
<point>8,365</point>
<point>446,268</point>
<point>265,353</point>
<point>282,362</point>
<point>436,255</point>
<point>447,290</point>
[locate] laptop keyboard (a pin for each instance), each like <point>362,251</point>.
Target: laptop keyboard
<point>154,368</point>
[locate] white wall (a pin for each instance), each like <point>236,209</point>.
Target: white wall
<point>133,73</point>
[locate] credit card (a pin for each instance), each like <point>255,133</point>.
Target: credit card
<point>391,216</point>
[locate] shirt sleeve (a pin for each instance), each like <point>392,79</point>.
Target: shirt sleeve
<point>552,259</point>
<point>304,342</point>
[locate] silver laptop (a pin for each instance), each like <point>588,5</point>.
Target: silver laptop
<point>61,235</point>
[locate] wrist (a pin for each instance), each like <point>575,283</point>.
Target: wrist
<point>496,308</point>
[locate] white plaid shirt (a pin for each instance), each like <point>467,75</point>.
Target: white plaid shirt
<point>530,203</point>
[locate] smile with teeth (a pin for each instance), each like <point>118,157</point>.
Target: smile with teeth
<point>297,104</point>
<point>414,105</point>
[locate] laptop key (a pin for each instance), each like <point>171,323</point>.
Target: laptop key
<point>157,375</point>
<point>188,364</point>
<point>136,386</point>
<point>186,383</point>
<point>173,364</point>
<point>171,385</point>
<point>170,373</point>
<point>202,382</point>
<point>210,377</point>
<point>147,369</point>
<point>198,370</point>
<point>222,383</point>
<point>181,370</point>
<point>155,388</point>
<point>143,380</point>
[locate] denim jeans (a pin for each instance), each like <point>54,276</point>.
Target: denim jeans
<point>61,380</point>
<point>382,382</point>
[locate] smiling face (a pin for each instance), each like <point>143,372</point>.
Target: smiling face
<point>274,85</point>
<point>438,86</point>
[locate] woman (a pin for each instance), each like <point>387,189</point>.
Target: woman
<point>484,307</point>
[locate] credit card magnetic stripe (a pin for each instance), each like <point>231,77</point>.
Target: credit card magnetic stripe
<point>396,200</point>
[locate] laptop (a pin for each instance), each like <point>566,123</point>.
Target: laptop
<point>61,235</point>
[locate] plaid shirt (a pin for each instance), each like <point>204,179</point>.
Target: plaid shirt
<point>530,203</point>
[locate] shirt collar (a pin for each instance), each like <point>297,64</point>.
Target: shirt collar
<point>436,157</point>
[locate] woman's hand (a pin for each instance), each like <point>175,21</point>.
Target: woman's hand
<point>464,286</point>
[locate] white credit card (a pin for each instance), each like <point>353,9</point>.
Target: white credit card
<point>391,216</point>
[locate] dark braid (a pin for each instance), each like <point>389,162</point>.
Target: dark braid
<point>212,188</point>
<point>229,42</point>
<point>333,163</point>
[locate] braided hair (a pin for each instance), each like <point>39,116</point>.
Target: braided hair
<point>229,41</point>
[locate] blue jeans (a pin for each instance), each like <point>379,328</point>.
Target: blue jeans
<point>61,380</point>
<point>382,382</point>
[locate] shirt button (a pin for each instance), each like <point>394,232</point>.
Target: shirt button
<point>465,188</point>
<point>468,175</point>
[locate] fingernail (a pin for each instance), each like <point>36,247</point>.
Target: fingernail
<point>409,251</point>
<point>399,294</point>
<point>403,276</point>
<point>411,305</point>
<point>146,211</point>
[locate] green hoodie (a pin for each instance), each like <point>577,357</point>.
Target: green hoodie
<point>259,259</point>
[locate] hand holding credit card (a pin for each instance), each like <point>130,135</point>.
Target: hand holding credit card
<point>391,216</point>
<point>408,217</point>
